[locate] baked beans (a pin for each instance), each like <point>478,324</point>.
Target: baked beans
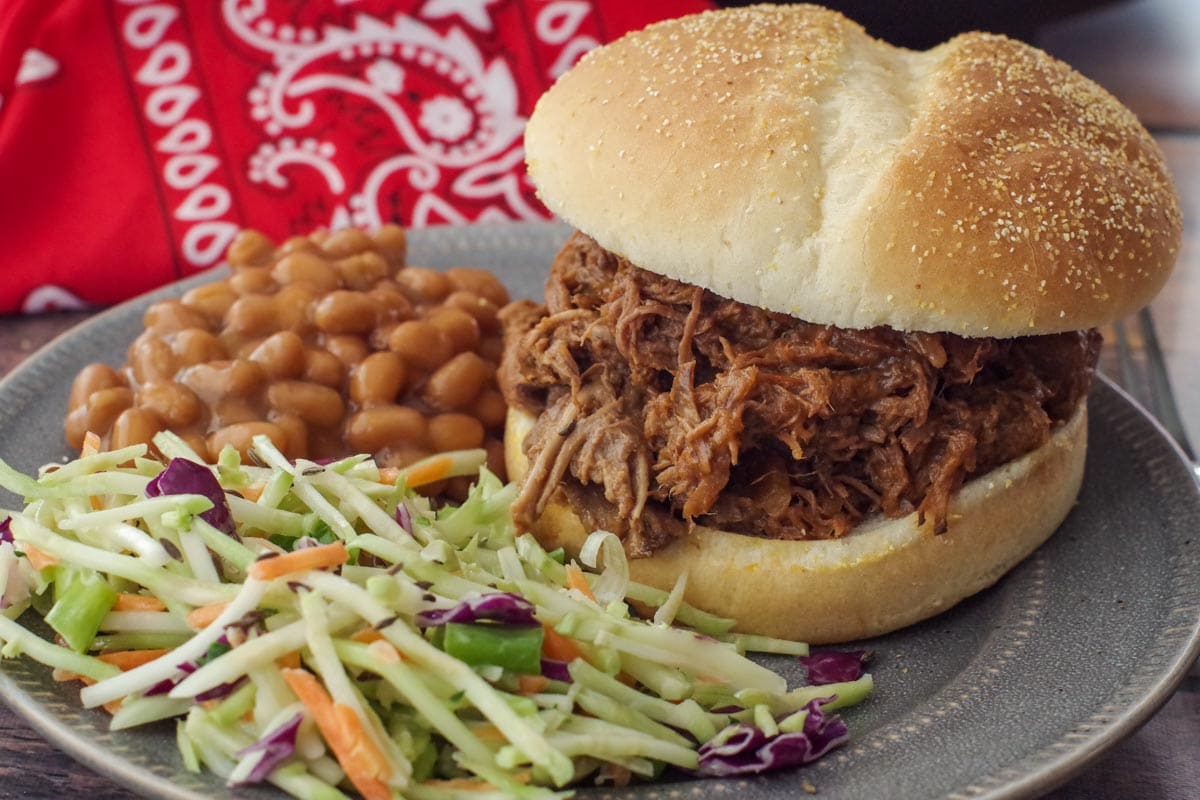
<point>328,344</point>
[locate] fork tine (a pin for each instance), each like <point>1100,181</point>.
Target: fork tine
<point>1158,384</point>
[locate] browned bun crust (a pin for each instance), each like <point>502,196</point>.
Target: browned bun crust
<point>883,576</point>
<point>781,157</point>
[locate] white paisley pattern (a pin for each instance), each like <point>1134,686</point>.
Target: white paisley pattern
<point>461,144</point>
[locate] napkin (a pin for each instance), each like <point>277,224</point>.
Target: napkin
<point>138,136</point>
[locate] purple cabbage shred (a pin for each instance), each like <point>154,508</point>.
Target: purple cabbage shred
<point>742,749</point>
<point>502,607</point>
<point>833,666</point>
<point>6,530</point>
<point>404,518</point>
<point>276,747</point>
<point>555,670</point>
<point>187,477</point>
<point>221,691</point>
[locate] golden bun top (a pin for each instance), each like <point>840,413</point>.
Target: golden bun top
<point>781,157</point>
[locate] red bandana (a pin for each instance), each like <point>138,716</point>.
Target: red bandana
<point>137,136</point>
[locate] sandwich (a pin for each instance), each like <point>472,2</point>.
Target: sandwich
<point>822,341</point>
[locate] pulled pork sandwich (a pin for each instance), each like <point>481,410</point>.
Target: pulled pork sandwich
<point>825,340</point>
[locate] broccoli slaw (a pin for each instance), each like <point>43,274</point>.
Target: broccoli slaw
<point>325,628</point>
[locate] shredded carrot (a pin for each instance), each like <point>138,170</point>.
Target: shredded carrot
<point>555,645</point>
<point>65,675</point>
<point>203,616</point>
<point>128,659</point>
<point>138,602</point>
<point>62,676</point>
<point>97,503</point>
<point>578,581</point>
<point>384,651</point>
<point>289,661</point>
<point>429,470</point>
<point>531,684</point>
<point>38,559</point>
<point>253,492</point>
<point>354,749</point>
<point>366,636</point>
<point>389,475</point>
<point>327,555</point>
<point>91,444</point>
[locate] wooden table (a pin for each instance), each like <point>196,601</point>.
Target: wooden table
<point>1146,53</point>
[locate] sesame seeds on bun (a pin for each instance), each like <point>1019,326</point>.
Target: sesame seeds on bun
<point>781,157</point>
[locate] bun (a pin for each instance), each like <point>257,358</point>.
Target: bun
<point>883,576</point>
<point>781,157</point>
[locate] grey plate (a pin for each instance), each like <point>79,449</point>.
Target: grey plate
<point>1007,695</point>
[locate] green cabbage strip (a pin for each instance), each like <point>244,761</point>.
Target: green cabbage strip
<point>643,694</point>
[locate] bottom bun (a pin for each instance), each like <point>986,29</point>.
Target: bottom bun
<point>886,574</point>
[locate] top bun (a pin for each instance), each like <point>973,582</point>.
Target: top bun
<point>781,157</point>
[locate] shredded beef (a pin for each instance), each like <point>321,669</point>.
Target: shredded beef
<point>661,405</point>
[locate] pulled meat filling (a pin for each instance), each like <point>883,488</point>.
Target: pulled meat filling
<point>661,405</point>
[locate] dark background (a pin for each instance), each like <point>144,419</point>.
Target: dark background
<point>920,24</point>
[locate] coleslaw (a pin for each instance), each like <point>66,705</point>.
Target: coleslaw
<point>325,628</point>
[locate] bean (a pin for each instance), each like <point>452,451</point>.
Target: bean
<point>401,456</point>
<point>315,404</point>
<point>173,403</point>
<point>385,426</point>
<point>212,300</point>
<point>196,346</point>
<point>231,410</point>
<point>346,242</point>
<point>240,435</point>
<point>252,280</point>
<point>249,248</point>
<point>491,409</point>
<point>239,378</point>
<point>75,427</point>
<point>392,302</point>
<point>491,348</point>
<point>345,312</point>
<point>134,426</point>
<point>103,407</point>
<point>293,307</point>
<point>348,349</point>
<point>392,242</point>
<point>299,244</point>
<point>378,379</point>
<point>323,367</point>
<point>459,327</point>
<point>281,355</point>
<point>455,432</point>
<point>151,359</point>
<point>378,339</point>
<point>421,344</point>
<point>480,282</point>
<point>198,445</point>
<point>483,310</point>
<point>495,457</point>
<point>169,316</point>
<point>423,285</point>
<point>253,315</point>
<point>305,267</point>
<point>296,432</point>
<point>363,270</point>
<point>91,379</point>
<point>455,384</point>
